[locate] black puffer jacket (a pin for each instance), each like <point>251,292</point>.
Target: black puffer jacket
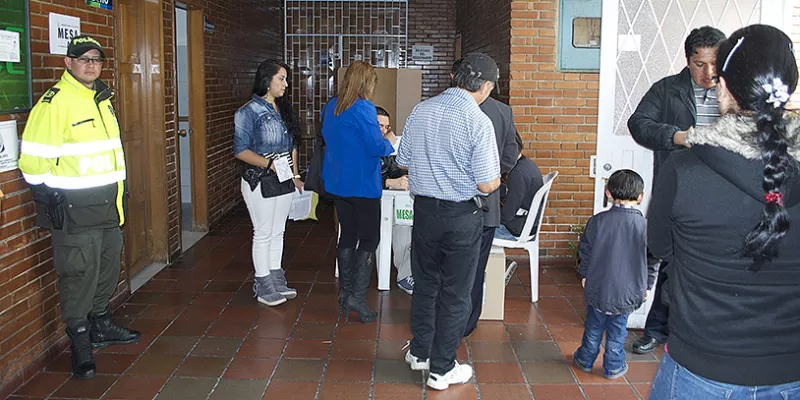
<point>666,108</point>
<point>727,323</point>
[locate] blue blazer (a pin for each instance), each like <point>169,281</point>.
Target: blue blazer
<point>353,150</point>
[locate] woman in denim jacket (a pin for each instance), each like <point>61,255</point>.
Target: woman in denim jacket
<point>266,136</point>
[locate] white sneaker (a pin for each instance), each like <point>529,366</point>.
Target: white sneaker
<point>416,363</point>
<point>459,374</point>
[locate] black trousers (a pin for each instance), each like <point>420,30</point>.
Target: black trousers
<point>656,325</point>
<point>87,265</point>
<point>444,256</point>
<point>360,219</point>
<point>480,277</point>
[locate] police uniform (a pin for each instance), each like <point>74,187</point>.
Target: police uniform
<point>71,155</point>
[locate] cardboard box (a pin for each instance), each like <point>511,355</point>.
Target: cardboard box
<point>398,91</point>
<point>494,289</point>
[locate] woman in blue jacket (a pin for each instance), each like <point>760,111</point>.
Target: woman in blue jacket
<point>351,172</point>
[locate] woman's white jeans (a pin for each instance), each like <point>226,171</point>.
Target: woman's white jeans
<point>269,222</point>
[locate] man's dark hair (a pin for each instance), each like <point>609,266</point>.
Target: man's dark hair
<point>465,78</point>
<point>382,111</point>
<point>702,37</point>
<point>625,185</point>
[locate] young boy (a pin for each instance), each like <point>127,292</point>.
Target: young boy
<point>615,273</point>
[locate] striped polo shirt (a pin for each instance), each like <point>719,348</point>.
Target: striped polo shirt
<point>705,101</point>
<point>449,147</point>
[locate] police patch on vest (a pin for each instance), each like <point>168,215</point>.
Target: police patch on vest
<point>48,95</point>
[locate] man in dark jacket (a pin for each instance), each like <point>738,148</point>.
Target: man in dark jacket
<point>522,182</point>
<point>505,134</point>
<point>672,106</point>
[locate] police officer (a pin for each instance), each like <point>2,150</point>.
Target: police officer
<point>71,156</point>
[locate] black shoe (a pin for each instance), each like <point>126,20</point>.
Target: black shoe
<point>105,332</point>
<point>83,365</point>
<point>645,344</point>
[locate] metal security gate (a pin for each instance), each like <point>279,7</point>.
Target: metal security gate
<point>324,35</point>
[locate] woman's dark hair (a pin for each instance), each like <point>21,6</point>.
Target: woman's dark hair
<point>625,185</point>
<point>520,145</point>
<point>752,57</point>
<point>266,71</point>
<point>702,37</point>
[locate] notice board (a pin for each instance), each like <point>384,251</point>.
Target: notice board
<point>15,60</point>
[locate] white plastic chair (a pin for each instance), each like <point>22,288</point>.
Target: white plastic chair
<point>531,242</point>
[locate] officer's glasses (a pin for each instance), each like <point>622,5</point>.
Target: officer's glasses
<point>87,60</point>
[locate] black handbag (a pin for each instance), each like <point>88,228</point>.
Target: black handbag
<point>314,181</point>
<point>270,186</point>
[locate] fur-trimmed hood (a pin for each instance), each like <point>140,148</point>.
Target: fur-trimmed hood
<point>736,133</point>
<point>729,148</point>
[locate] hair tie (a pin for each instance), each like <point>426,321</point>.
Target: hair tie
<point>733,50</point>
<point>778,92</point>
<point>774,197</point>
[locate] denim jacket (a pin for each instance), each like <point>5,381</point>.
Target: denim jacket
<point>260,128</point>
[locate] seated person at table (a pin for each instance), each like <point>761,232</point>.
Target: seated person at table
<point>396,178</point>
<point>522,183</point>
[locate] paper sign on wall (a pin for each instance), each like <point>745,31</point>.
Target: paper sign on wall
<point>9,147</point>
<point>9,46</point>
<point>422,53</point>
<point>62,29</point>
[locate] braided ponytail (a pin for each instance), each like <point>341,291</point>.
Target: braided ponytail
<point>761,244</point>
<point>760,72</point>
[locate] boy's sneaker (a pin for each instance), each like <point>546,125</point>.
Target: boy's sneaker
<point>406,284</point>
<point>459,374</point>
<point>581,366</point>
<point>616,373</point>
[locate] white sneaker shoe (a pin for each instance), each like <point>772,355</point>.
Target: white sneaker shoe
<point>416,363</point>
<point>459,374</point>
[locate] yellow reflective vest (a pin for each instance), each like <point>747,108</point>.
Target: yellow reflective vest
<point>71,141</point>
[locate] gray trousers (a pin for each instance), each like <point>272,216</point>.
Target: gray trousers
<point>401,246</point>
<point>88,266</point>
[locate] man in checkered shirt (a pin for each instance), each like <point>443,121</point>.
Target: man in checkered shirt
<point>450,150</point>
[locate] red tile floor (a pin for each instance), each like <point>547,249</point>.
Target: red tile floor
<point>205,337</point>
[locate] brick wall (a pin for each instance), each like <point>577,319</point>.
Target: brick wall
<point>485,26</point>
<point>433,22</point>
<point>556,114</point>
<point>247,33</point>
<point>793,30</point>
<point>30,326</point>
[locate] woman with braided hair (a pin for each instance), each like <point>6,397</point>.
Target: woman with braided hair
<point>722,216</point>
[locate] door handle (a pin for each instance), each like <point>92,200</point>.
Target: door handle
<point>182,132</point>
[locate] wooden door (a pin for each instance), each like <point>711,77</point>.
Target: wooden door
<point>140,101</point>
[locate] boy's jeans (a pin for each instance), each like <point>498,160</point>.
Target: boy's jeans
<point>673,382</point>
<point>615,327</point>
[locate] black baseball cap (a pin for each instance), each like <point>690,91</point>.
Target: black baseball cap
<point>481,65</point>
<point>79,45</point>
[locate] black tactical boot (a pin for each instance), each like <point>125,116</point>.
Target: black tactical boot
<point>83,365</point>
<point>105,332</point>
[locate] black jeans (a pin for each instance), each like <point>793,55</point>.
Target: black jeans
<point>480,276</point>
<point>360,219</point>
<point>656,325</point>
<point>444,256</point>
